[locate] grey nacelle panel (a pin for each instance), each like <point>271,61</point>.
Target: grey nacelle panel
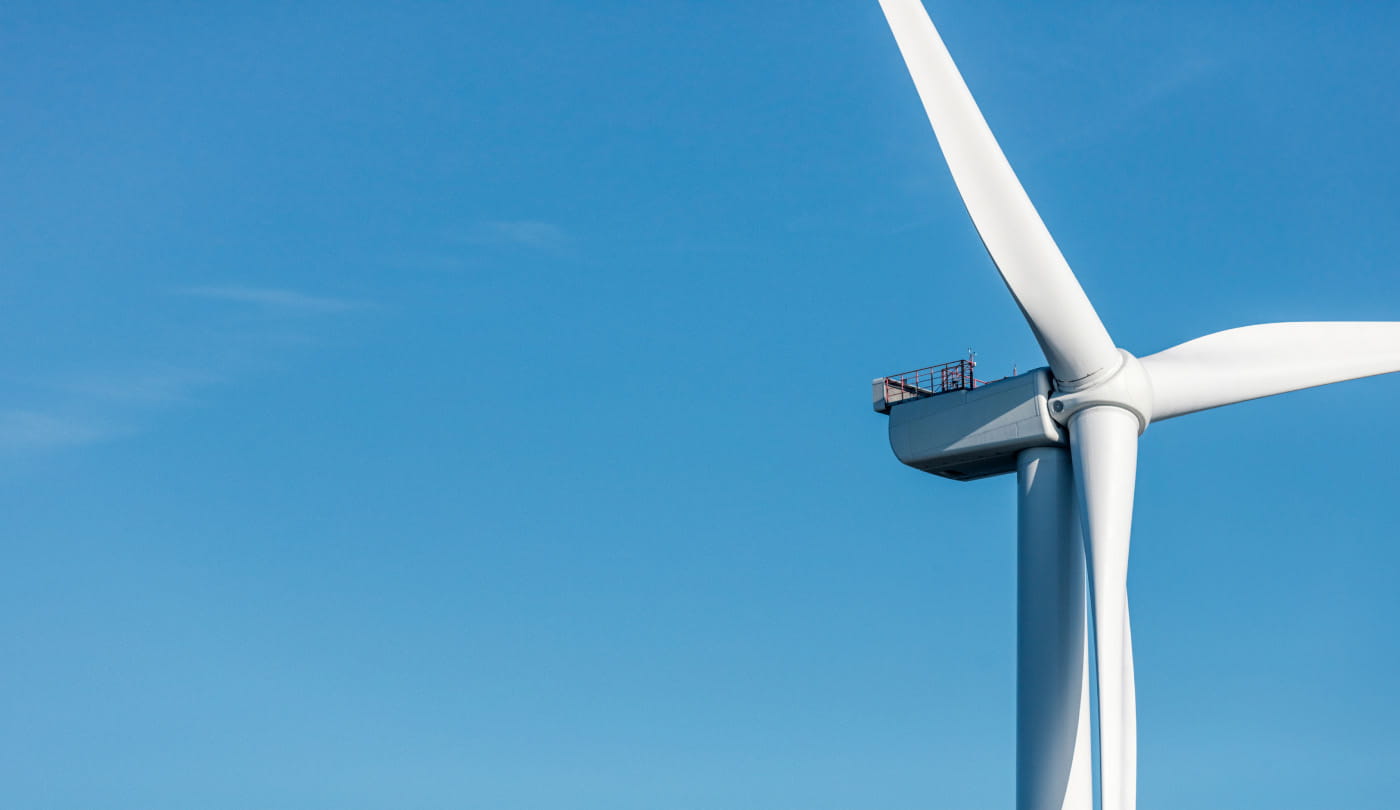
<point>977,432</point>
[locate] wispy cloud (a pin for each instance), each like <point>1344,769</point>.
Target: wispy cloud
<point>272,298</point>
<point>1178,75</point>
<point>189,361</point>
<point>1161,85</point>
<point>95,407</point>
<point>35,430</point>
<point>440,262</point>
<point>530,234</point>
<point>150,388</point>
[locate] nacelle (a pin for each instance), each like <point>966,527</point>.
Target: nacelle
<point>975,432</point>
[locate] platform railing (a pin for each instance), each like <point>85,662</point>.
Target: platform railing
<point>923,382</point>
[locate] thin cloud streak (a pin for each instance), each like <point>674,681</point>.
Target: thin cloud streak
<point>272,298</point>
<point>35,430</point>
<point>148,389</point>
<point>1170,80</point>
<point>530,234</point>
<point>70,411</point>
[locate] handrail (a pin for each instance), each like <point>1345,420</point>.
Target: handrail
<point>924,382</point>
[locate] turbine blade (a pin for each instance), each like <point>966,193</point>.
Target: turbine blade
<point>1053,767</point>
<point>1259,361</point>
<point>1103,442</point>
<point>1074,340</point>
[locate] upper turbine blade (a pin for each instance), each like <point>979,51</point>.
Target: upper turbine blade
<point>1103,443</point>
<point>1074,340</point>
<point>1259,361</point>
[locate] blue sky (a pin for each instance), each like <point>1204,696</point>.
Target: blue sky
<point>434,405</point>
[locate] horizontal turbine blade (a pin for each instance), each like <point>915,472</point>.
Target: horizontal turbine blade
<point>1074,340</point>
<point>1259,361</point>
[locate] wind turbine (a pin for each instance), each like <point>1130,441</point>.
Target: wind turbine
<point>1070,434</point>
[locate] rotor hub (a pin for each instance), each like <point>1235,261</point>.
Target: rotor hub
<point>1128,388</point>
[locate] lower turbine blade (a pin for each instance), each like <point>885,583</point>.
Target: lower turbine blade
<point>1103,441</point>
<point>1053,767</point>
<point>1272,358</point>
<point>1129,704</point>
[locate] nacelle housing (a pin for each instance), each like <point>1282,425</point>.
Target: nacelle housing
<point>975,432</point>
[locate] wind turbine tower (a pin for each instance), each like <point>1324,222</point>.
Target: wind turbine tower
<point>1070,434</point>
